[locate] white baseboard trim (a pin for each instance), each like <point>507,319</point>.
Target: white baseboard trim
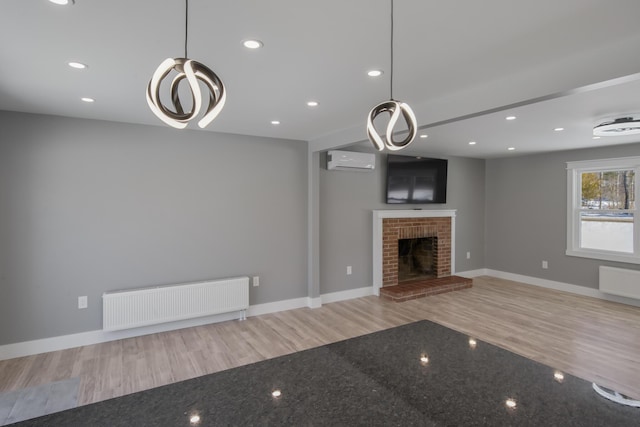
<point>561,286</point>
<point>472,273</point>
<point>347,295</point>
<point>274,307</point>
<point>314,302</point>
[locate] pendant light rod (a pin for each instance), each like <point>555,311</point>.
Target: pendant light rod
<point>186,26</point>
<point>391,50</point>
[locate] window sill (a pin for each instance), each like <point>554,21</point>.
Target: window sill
<point>605,256</point>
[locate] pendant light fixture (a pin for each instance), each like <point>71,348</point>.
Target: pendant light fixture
<point>192,71</point>
<point>395,109</point>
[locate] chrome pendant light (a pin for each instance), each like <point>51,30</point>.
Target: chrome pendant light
<point>395,110</point>
<point>192,71</point>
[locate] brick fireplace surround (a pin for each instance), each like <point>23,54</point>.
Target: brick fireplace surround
<point>389,226</point>
<point>394,229</point>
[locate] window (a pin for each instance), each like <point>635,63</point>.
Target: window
<point>602,213</point>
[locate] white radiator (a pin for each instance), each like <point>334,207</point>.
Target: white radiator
<point>149,306</point>
<point>620,281</point>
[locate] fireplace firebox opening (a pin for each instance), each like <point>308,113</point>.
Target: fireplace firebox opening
<point>417,258</point>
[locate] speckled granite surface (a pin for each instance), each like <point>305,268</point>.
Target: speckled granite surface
<point>373,380</point>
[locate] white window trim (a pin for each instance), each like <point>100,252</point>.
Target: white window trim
<point>574,202</point>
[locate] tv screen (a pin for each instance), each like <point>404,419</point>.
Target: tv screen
<point>416,179</point>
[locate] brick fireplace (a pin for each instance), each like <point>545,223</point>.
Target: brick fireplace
<point>392,226</point>
<point>395,229</point>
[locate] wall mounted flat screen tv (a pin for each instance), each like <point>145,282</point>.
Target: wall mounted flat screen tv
<point>416,180</point>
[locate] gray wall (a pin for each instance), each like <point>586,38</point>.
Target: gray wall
<point>526,210</point>
<point>89,206</point>
<point>347,199</point>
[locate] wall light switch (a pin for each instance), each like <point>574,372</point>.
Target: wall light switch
<point>545,265</point>
<point>82,302</point>
<point>468,255</point>
<point>256,280</point>
<point>348,270</point>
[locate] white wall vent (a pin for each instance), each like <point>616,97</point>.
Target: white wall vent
<point>349,160</point>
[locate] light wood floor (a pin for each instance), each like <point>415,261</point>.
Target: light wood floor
<point>592,339</point>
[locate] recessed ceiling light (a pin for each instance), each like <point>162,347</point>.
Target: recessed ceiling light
<point>424,136</point>
<point>62,2</point>
<point>88,100</point>
<point>511,403</point>
<point>559,129</point>
<point>558,376</point>
<point>374,73</point>
<point>275,122</point>
<point>510,118</point>
<point>312,103</point>
<point>472,143</point>
<point>78,65</point>
<point>596,137</point>
<point>424,359</point>
<point>511,148</point>
<point>252,44</point>
<point>194,419</point>
<point>472,343</point>
<point>276,393</point>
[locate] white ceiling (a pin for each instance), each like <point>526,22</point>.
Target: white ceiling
<point>453,59</point>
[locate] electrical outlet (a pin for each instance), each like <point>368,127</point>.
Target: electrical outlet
<point>256,280</point>
<point>545,265</point>
<point>82,302</point>
<point>468,255</point>
<point>348,270</point>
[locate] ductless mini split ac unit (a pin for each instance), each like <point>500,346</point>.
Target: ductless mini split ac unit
<point>350,160</point>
